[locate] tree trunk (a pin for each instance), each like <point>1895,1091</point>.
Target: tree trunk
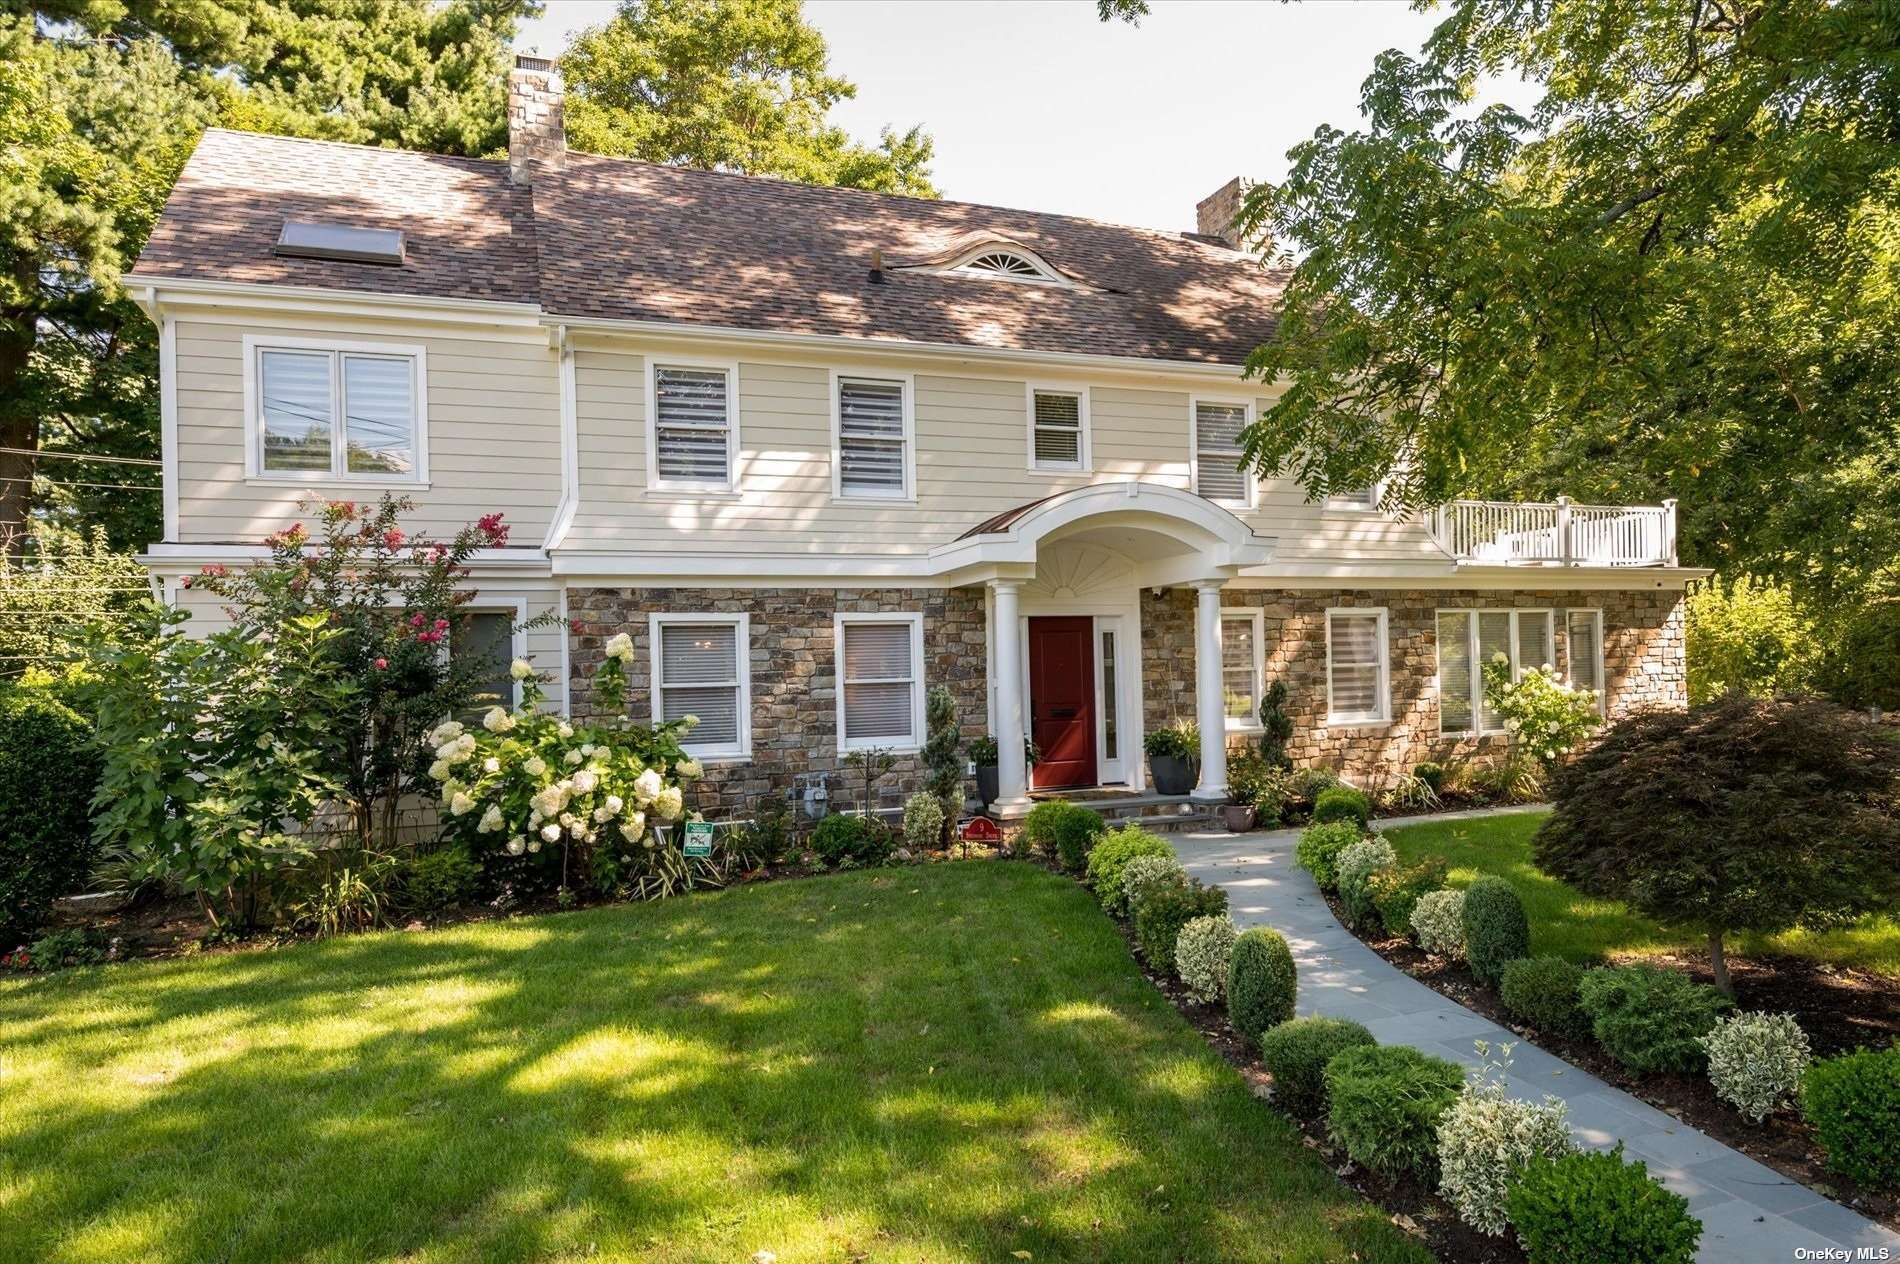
<point>19,428</point>
<point>1718,964</point>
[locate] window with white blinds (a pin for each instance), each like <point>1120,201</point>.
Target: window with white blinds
<point>336,413</point>
<point>873,458</point>
<point>486,645</point>
<point>692,436</point>
<point>1583,632</point>
<point>1057,424</point>
<point>702,668</point>
<point>1362,498</point>
<point>1217,454</point>
<point>1467,640</point>
<point>880,681</point>
<point>1356,667</point>
<point>1240,666</point>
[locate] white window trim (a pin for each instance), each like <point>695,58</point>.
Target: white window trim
<point>1084,453</point>
<point>1477,728</point>
<point>254,347</point>
<point>1354,506</point>
<point>1194,446</point>
<point>1570,657</point>
<point>654,482</point>
<point>735,752</point>
<point>1257,617</point>
<point>1045,274</point>
<point>909,495</point>
<point>916,621</point>
<point>1334,719</point>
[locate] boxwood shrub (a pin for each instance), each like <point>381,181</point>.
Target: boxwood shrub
<point>1384,1104</point>
<point>1063,831</point>
<point>1110,857</point>
<point>48,771</point>
<point>1168,907</point>
<point>1319,848</point>
<point>1591,1206</point>
<point>1342,803</point>
<point>1853,1101</point>
<point>1542,993</point>
<point>1650,1019</point>
<point>1496,930</point>
<point>1261,983</point>
<point>1396,892</point>
<point>841,837</point>
<point>1296,1052</point>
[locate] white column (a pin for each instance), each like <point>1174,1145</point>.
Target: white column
<point>1207,689</point>
<point>1012,771</point>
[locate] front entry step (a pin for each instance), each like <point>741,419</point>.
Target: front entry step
<point>1157,813</point>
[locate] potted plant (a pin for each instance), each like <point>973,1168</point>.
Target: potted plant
<point>1258,790</point>
<point>983,755</point>
<point>1174,754</point>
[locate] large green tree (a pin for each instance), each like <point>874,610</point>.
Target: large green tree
<point>1676,275</point>
<point>727,85</point>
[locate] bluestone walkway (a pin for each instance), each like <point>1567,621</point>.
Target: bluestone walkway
<point>1749,1212</point>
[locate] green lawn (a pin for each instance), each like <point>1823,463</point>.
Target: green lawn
<point>1572,925</point>
<point>958,1063</point>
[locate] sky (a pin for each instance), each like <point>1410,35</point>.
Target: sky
<point>1036,104</point>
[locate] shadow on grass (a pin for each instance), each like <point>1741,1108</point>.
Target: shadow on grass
<point>949,1064</point>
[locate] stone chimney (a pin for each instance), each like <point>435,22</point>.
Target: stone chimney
<point>537,136</point>
<point>1215,214</point>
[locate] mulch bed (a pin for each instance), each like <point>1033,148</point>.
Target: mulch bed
<point>1839,1009</point>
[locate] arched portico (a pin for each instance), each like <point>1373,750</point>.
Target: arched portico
<point>1089,553</point>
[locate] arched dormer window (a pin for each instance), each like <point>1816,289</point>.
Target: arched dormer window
<point>1005,263</point>
<point>996,259</point>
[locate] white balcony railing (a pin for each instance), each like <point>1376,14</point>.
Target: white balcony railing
<point>1522,533</point>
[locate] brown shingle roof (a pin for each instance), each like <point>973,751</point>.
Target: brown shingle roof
<point>620,239</point>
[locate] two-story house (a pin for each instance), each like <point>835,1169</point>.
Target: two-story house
<point>818,450</point>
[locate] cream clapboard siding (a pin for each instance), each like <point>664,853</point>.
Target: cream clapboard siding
<point>493,431</point>
<point>532,598</point>
<point>971,463</point>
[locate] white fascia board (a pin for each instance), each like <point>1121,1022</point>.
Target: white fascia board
<point>179,558</point>
<point>193,292</point>
<point>1444,575</point>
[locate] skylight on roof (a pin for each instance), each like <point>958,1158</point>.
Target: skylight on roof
<point>311,239</point>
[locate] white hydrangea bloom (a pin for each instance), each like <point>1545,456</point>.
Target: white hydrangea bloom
<point>602,814</point>
<point>620,646</point>
<point>565,729</point>
<point>534,844</point>
<point>578,830</point>
<point>690,720</point>
<point>534,765</point>
<point>633,827</point>
<point>491,764</point>
<point>572,758</point>
<point>669,803</point>
<point>460,804</point>
<point>614,804</point>
<point>585,780</point>
<point>517,845</point>
<point>552,833</point>
<point>566,819</point>
<point>550,801</point>
<point>445,732</point>
<point>689,770</point>
<point>498,720</point>
<point>439,770</point>
<point>491,821</point>
<point>521,669</point>
<point>646,787</point>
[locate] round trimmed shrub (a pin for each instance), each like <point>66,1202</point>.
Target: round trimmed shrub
<point>438,880</point>
<point>1319,847</point>
<point>1357,865</point>
<point>1650,1019</point>
<point>1144,874</point>
<point>1756,1062</point>
<point>1438,919</point>
<point>1110,858</point>
<point>1395,892</point>
<point>1542,992</point>
<point>923,821</point>
<point>48,771</point>
<point>1384,1104</point>
<point>1496,930</point>
<point>1485,1140</point>
<point>1595,1208</point>
<point>1853,1101</point>
<point>1261,983</point>
<point>1062,830</point>
<point>1201,956</point>
<point>1165,909</point>
<point>841,837</point>
<point>1342,803</point>
<point>1296,1053</point>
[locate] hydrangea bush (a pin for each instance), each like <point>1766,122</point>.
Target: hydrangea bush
<point>1201,954</point>
<point>1548,718</point>
<point>1756,1061</point>
<point>1438,919</point>
<point>1486,1139</point>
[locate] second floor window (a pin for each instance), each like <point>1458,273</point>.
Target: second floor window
<point>1217,455</point>
<point>337,414</point>
<point>873,438</point>
<point>1058,430</point>
<point>692,427</point>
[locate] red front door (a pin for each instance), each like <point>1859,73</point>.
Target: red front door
<point>1062,701</point>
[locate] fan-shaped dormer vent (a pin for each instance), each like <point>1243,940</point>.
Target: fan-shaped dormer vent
<point>1003,263</point>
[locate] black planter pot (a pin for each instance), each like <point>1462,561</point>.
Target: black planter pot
<point>1172,774</point>
<point>986,784</point>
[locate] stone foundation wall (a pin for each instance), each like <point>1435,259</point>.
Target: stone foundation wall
<point>1642,665</point>
<point>794,674</point>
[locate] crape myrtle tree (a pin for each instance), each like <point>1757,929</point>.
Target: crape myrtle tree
<point>1741,814</point>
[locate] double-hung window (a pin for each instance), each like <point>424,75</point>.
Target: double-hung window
<point>1242,662</point>
<point>486,650</point>
<point>880,681</point>
<point>1058,429</point>
<point>873,432</point>
<point>1361,498</point>
<point>693,438</point>
<point>1218,474</point>
<point>348,412</point>
<point>1356,667</point>
<point>1467,640</point>
<point>702,668</point>
<point>1583,634</point>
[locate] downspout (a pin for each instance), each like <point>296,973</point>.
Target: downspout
<point>570,443</point>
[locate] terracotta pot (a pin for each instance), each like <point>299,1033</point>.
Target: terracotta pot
<point>1237,817</point>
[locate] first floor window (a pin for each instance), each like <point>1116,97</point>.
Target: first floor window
<point>1467,640</point>
<point>701,667</point>
<point>880,681</point>
<point>1356,684</point>
<point>1240,666</point>
<point>1583,631</point>
<point>338,414</point>
<point>486,647</point>
<point>692,427</point>
<point>1217,453</point>
<point>1057,440</point>
<point>873,438</point>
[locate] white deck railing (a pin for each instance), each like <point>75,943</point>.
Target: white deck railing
<point>1524,533</point>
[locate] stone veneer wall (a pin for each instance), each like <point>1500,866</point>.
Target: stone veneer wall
<point>794,673</point>
<point>1642,664</point>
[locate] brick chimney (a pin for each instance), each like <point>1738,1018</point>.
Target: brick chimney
<point>537,136</point>
<point>1214,215</point>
